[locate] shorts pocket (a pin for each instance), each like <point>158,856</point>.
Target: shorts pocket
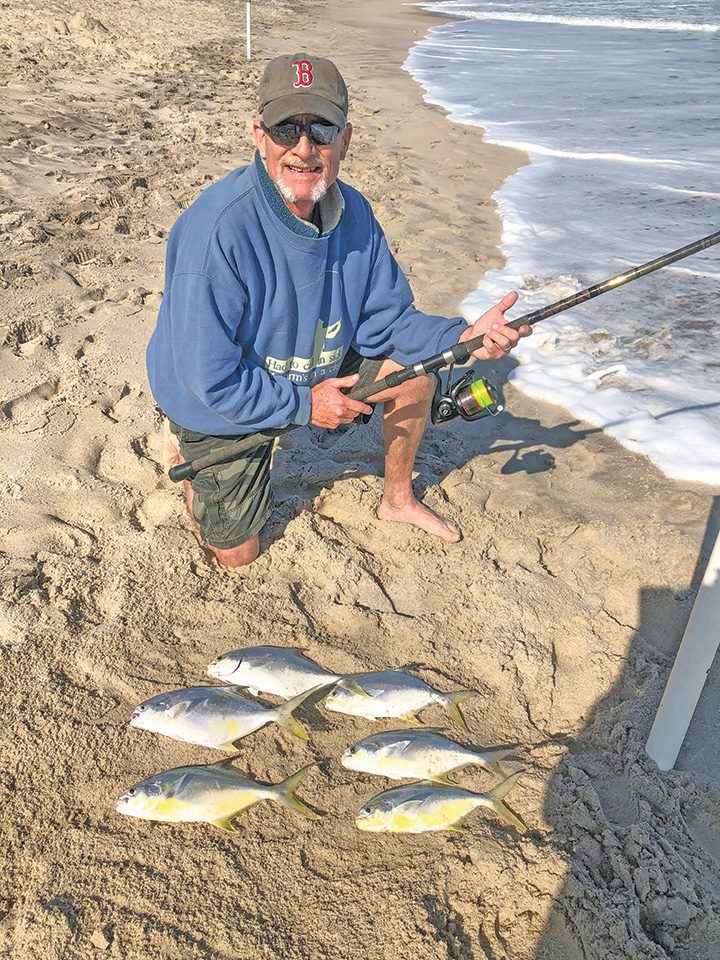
<point>208,508</point>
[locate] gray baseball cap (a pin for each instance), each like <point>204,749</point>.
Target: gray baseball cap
<point>299,83</point>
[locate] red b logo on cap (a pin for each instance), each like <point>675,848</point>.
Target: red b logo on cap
<point>304,73</point>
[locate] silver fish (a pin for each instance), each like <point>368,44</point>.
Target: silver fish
<point>430,806</point>
<point>214,716</point>
<point>417,755</point>
<point>207,793</point>
<point>393,693</point>
<point>281,671</point>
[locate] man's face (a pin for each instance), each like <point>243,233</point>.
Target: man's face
<point>304,172</point>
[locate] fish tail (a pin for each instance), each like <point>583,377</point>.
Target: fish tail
<point>285,713</point>
<point>492,760</point>
<point>494,800</point>
<point>285,793</point>
<point>450,703</point>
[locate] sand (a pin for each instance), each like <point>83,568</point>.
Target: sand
<point>563,606</point>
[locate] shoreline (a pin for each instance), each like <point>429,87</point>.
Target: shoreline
<point>562,607</point>
<point>417,136</point>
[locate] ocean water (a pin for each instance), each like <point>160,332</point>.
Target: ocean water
<point>617,104</point>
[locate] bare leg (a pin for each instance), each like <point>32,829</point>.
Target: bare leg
<point>405,411</point>
<point>235,556</point>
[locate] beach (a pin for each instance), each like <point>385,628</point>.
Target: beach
<point>563,606</point>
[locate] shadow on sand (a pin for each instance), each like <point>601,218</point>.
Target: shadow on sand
<point>642,847</point>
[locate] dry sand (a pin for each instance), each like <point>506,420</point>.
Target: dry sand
<point>563,605</point>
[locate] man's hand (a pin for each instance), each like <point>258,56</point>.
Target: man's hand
<point>499,339</point>
<point>329,406</point>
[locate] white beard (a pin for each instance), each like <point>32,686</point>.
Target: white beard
<point>319,192</point>
<point>285,189</point>
<point>316,196</point>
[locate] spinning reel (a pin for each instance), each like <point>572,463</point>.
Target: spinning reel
<point>471,398</point>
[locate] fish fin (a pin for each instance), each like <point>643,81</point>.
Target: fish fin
<point>411,718</point>
<point>495,801</point>
<point>284,713</point>
<point>450,703</point>
<point>286,793</point>
<point>491,761</point>
<point>228,747</point>
<point>294,727</point>
<point>457,827</point>
<point>444,779</point>
<point>354,687</point>
<point>225,823</point>
<point>226,762</point>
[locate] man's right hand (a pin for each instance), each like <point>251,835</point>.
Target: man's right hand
<point>329,406</point>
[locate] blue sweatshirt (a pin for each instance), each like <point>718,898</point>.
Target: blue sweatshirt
<point>259,306</point>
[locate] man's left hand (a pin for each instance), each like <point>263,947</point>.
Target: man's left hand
<point>499,338</point>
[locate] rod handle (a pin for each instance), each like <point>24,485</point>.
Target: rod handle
<point>182,471</point>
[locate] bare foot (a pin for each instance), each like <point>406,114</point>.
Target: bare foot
<point>419,515</point>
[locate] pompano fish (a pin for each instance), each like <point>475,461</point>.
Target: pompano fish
<point>214,716</point>
<point>393,693</point>
<point>282,671</point>
<point>430,806</point>
<point>417,755</point>
<point>207,793</point>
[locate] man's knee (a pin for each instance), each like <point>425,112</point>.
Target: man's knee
<point>239,556</point>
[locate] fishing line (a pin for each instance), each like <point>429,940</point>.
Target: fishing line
<point>672,323</point>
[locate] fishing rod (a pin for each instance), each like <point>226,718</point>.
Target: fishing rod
<point>471,397</point>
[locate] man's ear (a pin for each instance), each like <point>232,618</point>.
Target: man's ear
<point>346,136</point>
<point>259,136</point>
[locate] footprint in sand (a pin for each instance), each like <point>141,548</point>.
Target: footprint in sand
<point>30,412</point>
<point>50,534</point>
<point>123,461</point>
<point>23,331</point>
<point>157,509</point>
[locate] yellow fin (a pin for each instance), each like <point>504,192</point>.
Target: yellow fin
<point>410,718</point>
<point>286,794</point>
<point>354,687</point>
<point>294,727</point>
<point>284,713</point>
<point>444,779</point>
<point>225,823</point>
<point>495,802</point>
<point>450,705</point>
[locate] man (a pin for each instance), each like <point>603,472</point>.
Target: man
<point>281,294</point>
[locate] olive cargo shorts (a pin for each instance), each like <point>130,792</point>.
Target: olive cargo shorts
<point>232,501</point>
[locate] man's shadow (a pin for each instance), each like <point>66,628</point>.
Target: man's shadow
<point>310,460</point>
<point>641,847</point>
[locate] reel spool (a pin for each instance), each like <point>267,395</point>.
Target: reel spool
<point>471,398</point>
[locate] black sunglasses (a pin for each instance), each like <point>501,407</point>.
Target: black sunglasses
<point>288,134</point>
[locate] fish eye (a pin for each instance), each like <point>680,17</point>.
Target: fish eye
<point>131,792</point>
<point>143,706</point>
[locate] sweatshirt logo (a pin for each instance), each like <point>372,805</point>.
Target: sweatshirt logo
<point>304,71</point>
<point>303,370</point>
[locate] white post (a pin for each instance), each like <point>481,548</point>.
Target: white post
<point>247,29</point>
<point>689,673</point>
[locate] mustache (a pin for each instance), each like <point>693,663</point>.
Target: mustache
<point>318,165</point>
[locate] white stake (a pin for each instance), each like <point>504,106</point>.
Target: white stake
<point>689,673</point>
<point>247,29</point>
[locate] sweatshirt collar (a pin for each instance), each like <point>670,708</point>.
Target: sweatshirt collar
<point>331,206</point>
